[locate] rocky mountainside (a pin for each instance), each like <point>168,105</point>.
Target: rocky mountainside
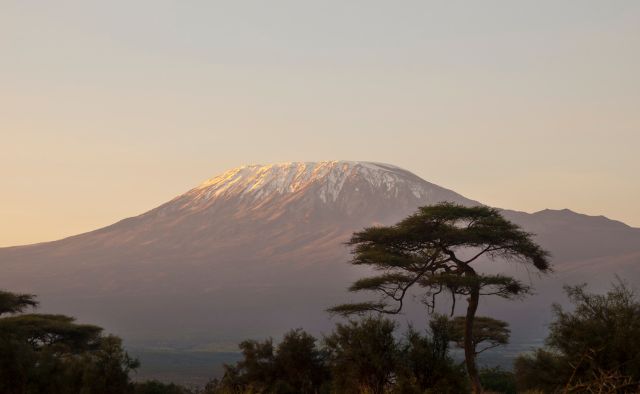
<point>260,249</point>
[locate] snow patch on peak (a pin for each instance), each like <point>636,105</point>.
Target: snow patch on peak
<point>259,181</point>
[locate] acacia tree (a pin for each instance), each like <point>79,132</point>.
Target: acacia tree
<point>434,250</point>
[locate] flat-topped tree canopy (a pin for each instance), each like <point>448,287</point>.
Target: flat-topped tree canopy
<point>426,250</point>
<point>448,227</point>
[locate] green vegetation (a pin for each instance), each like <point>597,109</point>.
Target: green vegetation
<point>594,348</point>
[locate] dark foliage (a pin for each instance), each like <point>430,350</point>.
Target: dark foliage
<point>363,356</point>
<point>156,387</point>
<point>498,380</point>
<point>295,366</point>
<point>594,346</point>
<point>52,354</point>
<point>543,370</point>
<point>357,357</point>
<point>425,364</point>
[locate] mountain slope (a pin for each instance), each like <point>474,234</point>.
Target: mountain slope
<point>259,249</point>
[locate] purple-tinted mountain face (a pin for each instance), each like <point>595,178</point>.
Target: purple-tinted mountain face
<point>260,249</point>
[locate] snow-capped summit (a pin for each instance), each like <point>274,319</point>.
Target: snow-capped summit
<point>260,181</point>
<point>329,182</point>
<point>291,177</point>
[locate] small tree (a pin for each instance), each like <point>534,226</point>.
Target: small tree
<point>296,365</point>
<point>300,364</point>
<point>255,372</point>
<point>434,250</point>
<point>487,330</point>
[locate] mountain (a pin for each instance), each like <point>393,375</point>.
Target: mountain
<point>260,249</point>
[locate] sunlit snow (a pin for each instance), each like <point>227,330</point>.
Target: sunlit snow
<point>258,181</point>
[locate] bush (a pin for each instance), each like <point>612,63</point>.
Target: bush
<point>295,366</point>
<point>363,355</point>
<point>425,363</point>
<point>595,345</point>
<point>156,387</point>
<point>498,380</point>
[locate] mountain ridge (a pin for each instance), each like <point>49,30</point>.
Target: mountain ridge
<point>211,182</point>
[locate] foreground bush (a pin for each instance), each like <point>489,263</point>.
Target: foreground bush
<point>595,347</point>
<point>156,387</point>
<point>357,357</point>
<point>498,380</point>
<point>296,365</point>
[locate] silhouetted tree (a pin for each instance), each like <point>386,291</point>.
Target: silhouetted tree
<point>300,364</point>
<point>434,250</point>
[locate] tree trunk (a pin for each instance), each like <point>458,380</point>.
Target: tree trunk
<point>469,348</point>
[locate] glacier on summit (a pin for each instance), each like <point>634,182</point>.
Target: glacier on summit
<point>261,181</point>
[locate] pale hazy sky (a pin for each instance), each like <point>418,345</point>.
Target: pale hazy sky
<point>109,108</point>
